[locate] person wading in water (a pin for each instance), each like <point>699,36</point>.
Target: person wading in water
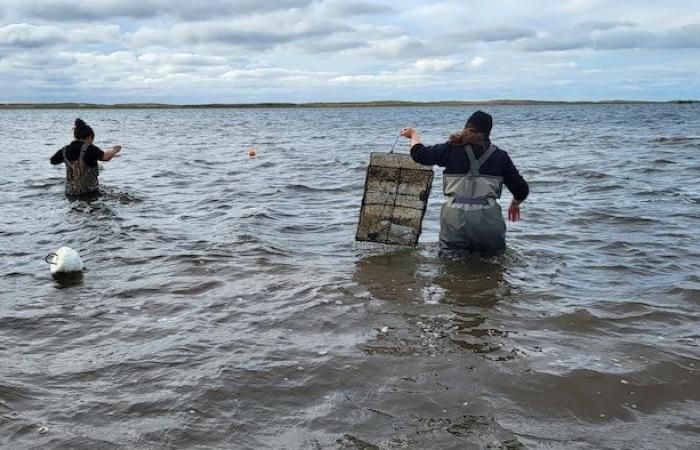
<point>475,171</point>
<point>81,159</point>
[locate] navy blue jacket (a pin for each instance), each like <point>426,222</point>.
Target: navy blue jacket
<point>453,157</point>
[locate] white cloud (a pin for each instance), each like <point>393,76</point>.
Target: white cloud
<point>23,35</point>
<point>382,78</point>
<point>181,59</point>
<point>402,47</point>
<point>436,65</point>
<point>477,61</point>
<point>266,73</point>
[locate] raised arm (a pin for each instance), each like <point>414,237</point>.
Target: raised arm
<point>412,134</point>
<point>109,154</point>
<point>431,155</point>
<point>57,157</point>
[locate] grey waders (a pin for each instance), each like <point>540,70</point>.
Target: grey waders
<point>471,218</point>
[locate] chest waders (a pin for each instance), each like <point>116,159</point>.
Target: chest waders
<point>80,178</point>
<point>471,218</point>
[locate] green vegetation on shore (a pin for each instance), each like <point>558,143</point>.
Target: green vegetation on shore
<point>326,104</point>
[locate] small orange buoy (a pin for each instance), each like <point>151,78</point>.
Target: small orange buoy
<point>252,153</point>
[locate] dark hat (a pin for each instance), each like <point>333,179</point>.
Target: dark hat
<point>481,121</point>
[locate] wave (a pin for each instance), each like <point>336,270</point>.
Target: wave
<point>678,140</point>
<point>304,188</point>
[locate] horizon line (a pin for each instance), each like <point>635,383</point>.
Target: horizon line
<point>158,105</point>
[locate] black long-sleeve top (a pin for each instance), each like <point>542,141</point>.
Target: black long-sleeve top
<point>92,154</point>
<point>453,157</point>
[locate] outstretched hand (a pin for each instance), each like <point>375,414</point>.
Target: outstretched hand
<point>412,134</point>
<point>111,153</point>
<point>408,132</point>
<point>514,211</point>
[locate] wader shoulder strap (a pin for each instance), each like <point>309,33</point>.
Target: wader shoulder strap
<point>83,150</point>
<point>487,154</point>
<point>475,164</point>
<point>81,155</point>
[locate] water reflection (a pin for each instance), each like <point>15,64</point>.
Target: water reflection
<point>64,280</point>
<point>391,276</point>
<point>437,304</point>
<point>474,286</point>
<point>472,281</point>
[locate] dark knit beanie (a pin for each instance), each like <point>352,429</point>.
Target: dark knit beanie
<point>481,121</point>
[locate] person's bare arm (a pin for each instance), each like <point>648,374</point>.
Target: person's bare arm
<point>412,134</point>
<point>109,154</point>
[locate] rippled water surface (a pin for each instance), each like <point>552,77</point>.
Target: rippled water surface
<point>226,305</point>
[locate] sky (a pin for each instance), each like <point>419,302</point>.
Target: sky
<point>250,51</point>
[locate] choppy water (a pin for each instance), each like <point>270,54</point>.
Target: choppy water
<point>225,304</point>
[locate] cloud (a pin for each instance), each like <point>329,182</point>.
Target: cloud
<point>24,36</point>
<point>546,42</point>
<point>614,38</point>
<point>275,75</point>
<point>493,34</point>
<point>181,59</point>
<point>385,78</point>
<point>119,70</point>
<point>685,37</point>
<point>316,46</point>
<point>477,61</point>
<point>79,10</point>
<point>256,32</point>
<point>356,8</point>
<point>435,65</point>
<point>37,64</point>
<point>27,36</point>
<point>403,47</point>
<point>76,10</point>
<point>603,25</point>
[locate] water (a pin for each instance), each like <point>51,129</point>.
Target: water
<point>225,304</point>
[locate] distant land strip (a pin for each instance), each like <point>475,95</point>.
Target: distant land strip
<point>328,104</point>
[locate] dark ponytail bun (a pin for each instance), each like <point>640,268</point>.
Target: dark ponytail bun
<point>82,130</point>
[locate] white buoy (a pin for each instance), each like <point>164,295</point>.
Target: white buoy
<point>65,260</point>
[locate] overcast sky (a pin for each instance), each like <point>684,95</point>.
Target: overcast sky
<point>203,51</point>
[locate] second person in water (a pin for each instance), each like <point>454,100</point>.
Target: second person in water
<point>80,157</point>
<point>475,171</point>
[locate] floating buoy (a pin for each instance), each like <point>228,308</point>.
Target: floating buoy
<point>64,261</point>
<point>252,153</point>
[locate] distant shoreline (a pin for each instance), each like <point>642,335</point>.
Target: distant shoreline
<point>381,103</point>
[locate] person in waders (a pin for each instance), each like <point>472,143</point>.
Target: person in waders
<point>475,172</point>
<point>81,157</point>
